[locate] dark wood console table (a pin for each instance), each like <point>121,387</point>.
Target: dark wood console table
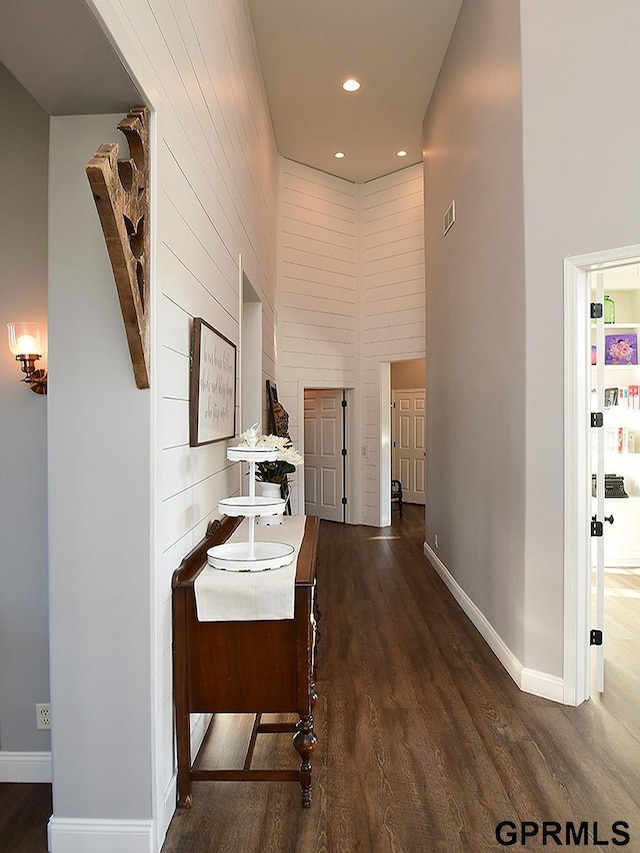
<point>245,667</point>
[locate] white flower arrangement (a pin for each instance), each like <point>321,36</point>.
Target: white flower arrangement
<point>287,461</point>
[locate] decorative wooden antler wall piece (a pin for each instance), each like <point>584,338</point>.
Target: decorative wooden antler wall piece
<point>121,192</point>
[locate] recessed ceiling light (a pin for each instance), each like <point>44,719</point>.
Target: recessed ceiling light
<point>339,155</point>
<point>402,153</point>
<point>351,85</point>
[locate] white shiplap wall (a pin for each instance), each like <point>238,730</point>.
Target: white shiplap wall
<point>317,286</point>
<point>215,191</point>
<point>350,295</point>
<point>392,299</point>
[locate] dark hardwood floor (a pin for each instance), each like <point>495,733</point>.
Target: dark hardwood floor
<point>425,743</point>
<point>24,813</point>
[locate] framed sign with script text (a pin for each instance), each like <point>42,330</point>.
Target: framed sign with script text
<point>212,409</point>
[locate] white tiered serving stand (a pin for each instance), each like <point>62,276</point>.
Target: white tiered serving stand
<point>251,556</point>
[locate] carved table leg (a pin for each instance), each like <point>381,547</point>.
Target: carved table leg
<point>184,761</point>
<point>305,742</point>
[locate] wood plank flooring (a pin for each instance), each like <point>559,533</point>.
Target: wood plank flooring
<point>425,743</point>
<point>621,696</point>
<point>24,814</point>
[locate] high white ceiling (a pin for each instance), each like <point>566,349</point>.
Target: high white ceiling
<point>393,47</point>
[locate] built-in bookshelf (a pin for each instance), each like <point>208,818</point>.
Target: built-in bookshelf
<point>622,425</point>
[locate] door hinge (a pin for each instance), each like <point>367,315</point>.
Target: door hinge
<point>344,451</point>
<point>597,527</point>
<point>596,310</point>
<point>343,403</point>
<point>595,637</point>
<point>393,405</point>
<point>597,419</point>
<point>344,501</point>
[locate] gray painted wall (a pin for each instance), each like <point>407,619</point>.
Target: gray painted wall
<point>582,191</point>
<point>476,315</point>
<point>24,663</point>
<point>99,509</point>
<point>537,175</point>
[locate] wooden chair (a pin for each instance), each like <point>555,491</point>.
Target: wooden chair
<point>396,494</point>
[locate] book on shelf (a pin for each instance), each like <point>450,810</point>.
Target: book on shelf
<point>617,440</point>
<point>622,397</point>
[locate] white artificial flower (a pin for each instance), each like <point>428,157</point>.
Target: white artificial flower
<point>291,455</point>
<point>279,442</point>
<point>250,436</point>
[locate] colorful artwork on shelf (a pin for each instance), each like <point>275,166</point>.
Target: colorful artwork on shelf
<point>621,348</point>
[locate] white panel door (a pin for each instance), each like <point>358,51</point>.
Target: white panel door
<point>323,460</point>
<point>409,429</point>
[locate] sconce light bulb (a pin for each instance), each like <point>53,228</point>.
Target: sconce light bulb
<point>26,345</point>
<point>25,339</point>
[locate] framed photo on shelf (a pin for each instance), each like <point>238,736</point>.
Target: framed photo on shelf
<point>621,348</point>
<point>212,399</point>
<point>610,397</point>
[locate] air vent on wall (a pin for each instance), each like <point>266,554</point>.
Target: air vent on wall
<point>449,218</point>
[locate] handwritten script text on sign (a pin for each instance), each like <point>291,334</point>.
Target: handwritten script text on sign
<point>217,382</point>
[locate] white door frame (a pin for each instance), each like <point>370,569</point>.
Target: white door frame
<point>577,479</point>
<point>250,381</point>
<point>385,449</point>
<point>394,435</point>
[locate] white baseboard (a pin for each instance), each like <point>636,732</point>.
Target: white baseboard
<point>75,835</point>
<point>168,807</point>
<point>542,684</point>
<point>25,766</point>
<point>528,680</point>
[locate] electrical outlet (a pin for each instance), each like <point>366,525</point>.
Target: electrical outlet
<point>43,715</point>
<point>436,539</point>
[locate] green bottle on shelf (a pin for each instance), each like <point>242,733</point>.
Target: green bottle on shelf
<point>609,309</point>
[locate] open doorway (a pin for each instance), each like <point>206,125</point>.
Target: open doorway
<point>615,455</point>
<point>250,373</point>
<point>408,429</point>
<point>57,67</point>
<point>602,419</point>
<point>402,383</point>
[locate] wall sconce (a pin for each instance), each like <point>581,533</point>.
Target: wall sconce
<point>25,343</point>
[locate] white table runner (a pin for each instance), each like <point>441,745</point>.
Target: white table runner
<point>225,596</point>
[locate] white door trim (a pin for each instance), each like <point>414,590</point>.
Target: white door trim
<point>577,509</point>
<point>385,444</point>
<point>395,393</point>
